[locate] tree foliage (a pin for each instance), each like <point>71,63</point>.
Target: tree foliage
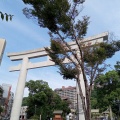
<point>61,19</point>
<point>42,100</point>
<point>24,101</point>
<point>108,89</point>
<point>6,16</point>
<point>117,67</point>
<point>94,102</point>
<point>1,94</point>
<point>1,90</point>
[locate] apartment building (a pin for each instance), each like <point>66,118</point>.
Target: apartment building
<point>6,100</point>
<point>68,93</point>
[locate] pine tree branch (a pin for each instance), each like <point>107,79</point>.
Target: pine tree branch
<point>6,16</point>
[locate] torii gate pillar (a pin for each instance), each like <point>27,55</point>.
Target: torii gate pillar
<point>25,56</point>
<point>19,91</point>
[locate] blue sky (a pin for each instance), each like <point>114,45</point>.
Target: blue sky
<point>23,34</point>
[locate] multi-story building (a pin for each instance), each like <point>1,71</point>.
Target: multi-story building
<point>68,93</point>
<point>23,114</point>
<point>7,100</point>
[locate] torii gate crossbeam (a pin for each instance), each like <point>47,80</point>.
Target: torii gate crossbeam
<point>25,56</point>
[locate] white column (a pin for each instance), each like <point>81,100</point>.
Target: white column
<point>80,108</point>
<point>19,91</point>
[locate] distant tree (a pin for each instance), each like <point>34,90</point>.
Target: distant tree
<point>1,94</point>
<point>108,89</point>
<point>117,67</point>
<point>24,102</point>
<point>94,103</point>
<point>1,109</point>
<point>42,100</point>
<point>1,91</point>
<point>60,17</point>
<point>35,117</point>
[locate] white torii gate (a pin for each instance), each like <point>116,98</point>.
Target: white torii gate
<point>25,56</point>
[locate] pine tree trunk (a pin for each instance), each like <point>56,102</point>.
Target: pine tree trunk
<point>88,108</point>
<point>86,105</point>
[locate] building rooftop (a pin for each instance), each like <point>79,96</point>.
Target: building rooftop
<point>65,88</point>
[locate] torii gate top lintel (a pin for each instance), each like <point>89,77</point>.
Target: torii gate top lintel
<point>41,52</point>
